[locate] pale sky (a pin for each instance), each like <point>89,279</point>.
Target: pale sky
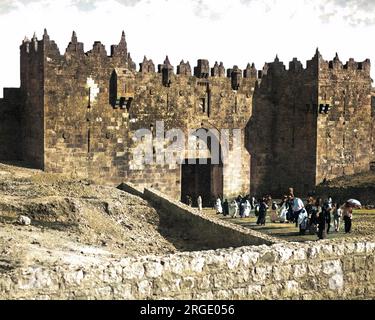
<point>232,31</point>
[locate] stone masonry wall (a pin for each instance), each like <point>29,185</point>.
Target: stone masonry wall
<point>203,230</point>
<point>32,113</point>
<point>282,130</point>
<point>10,148</point>
<point>87,134</point>
<point>344,145</point>
<point>324,270</point>
<point>80,111</point>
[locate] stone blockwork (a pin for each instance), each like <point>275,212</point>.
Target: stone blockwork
<point>284,271</point>
<point>94,104</point>
<point>282,130</point>
<point>344,129</point>
<point>10,135</point>
<point>311,124</point>
<point>79,112</point>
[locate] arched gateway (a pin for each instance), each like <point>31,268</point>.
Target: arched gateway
<point>202,174</point>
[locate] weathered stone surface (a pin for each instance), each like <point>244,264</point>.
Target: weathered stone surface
<point>77,113</point>
<point>202,275</point>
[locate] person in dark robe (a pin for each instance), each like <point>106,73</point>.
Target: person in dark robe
<point>327,209</point>
<point>309,206</point>
<point>189,201</point>
<point>262,212</point>
<point>290,202</point>
<point>322,224</point>
<point>226,208</point>
<point>347,212</point>
<point>313,216</point>
<point>239,202</point>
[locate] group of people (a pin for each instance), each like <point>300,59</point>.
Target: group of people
<point>239,207</point>
<point>315,217</point>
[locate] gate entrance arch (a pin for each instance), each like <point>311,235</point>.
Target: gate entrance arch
<point>203,176</point>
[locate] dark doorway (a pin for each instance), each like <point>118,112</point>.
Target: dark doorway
<point>205,180</point>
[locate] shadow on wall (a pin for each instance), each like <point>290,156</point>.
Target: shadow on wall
<point>366,195</point>
<point>259,141</point>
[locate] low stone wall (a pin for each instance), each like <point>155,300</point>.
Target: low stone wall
<point>204,230</point>
<point>323,270</point>
<point>130,188</point>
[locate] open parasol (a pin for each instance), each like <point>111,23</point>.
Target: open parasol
<point>354,203</point>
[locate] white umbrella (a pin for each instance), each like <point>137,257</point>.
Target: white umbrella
<point>354,203</point>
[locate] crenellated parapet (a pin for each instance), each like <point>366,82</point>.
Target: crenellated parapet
<point>250,71</point>
<point>218,70</point>
<point>166,69</point>
<point>236,76</point>
<point>120,57</point>
<point>295,65</point>
<point>184,69</point>
<point>74,48</point>
<point>120,50</point>
<point>46,47</point>
<point>336,66</point>
<point>131,64</point>
<point>276,67</point>
<point>202,70</point>
<point>98,51</point>
<point>147,66</point>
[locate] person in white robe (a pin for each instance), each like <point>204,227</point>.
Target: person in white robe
<point>247,208</point>
<point>234,208</point>
<point>218,206</point>
<point>200,204</point>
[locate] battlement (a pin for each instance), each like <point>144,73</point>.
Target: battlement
<point>352,65</point>
<point>75,51</point>
<point>120,57</point>
<point>316,65</point>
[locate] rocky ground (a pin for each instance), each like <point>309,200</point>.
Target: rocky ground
<point>71,220</point>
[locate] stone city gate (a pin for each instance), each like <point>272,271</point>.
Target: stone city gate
<point>203,176</point>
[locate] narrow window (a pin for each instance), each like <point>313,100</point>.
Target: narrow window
<point>326,109</point>
<point>88,141</point>
<point>113,89</point>
<point>202,105</point>
<point>321,108</point>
